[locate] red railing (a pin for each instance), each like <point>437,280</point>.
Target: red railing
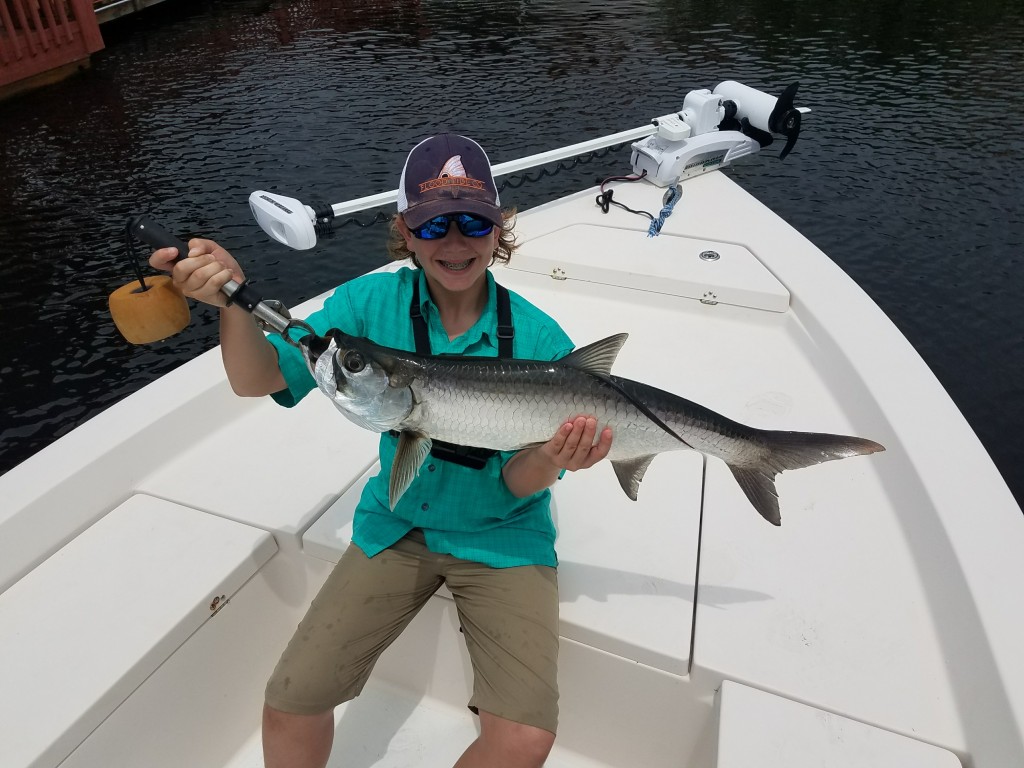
<point>41,35</point>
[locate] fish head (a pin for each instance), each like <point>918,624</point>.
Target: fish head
<point>360,379</point>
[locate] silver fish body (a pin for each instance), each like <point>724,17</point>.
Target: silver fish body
<point>512,404</point>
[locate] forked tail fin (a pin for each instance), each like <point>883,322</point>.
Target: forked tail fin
<point>792,450</point>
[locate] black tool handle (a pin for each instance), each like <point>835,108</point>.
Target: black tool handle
<point>148,231</point>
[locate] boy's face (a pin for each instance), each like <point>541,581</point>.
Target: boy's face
<point>454,262</point>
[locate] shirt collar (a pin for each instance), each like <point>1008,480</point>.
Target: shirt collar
<point>486,325</point>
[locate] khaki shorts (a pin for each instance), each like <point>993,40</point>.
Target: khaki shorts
<point>509,618</point>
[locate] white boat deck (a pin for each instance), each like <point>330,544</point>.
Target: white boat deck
<point>867,605</point>
<point>392,728</point>
<point>828,609</point>
<point>780,733</point>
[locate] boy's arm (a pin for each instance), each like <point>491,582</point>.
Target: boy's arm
<point>249,359</point>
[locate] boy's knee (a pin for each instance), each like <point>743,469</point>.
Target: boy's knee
<point>275,720</point>
<point>526,744</point>
<point>291,740</point>
<point>537,745</point>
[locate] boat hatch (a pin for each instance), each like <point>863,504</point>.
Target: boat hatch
<point>709,271</point>
<point>98,617</point>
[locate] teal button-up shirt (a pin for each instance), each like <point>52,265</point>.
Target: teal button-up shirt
<point>468,513</point>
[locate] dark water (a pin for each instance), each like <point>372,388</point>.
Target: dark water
<point>908,173</point>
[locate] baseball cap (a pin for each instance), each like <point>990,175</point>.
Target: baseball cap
<point>447,173</point>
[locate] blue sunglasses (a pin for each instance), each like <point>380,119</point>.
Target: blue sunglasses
<point>468,224</point>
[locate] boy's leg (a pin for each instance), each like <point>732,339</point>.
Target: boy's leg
<point>296,741</point>
<point>506,744</point>
<point>509,617</point>
<point>360,610</point>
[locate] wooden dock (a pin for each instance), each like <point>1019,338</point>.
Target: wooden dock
<point>44,41</point>
<point>108,10</point>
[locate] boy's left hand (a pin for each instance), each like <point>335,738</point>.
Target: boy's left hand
<point>573,447</point>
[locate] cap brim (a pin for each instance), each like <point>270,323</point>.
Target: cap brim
<point>418,215</point>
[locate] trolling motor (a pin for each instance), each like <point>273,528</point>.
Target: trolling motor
<point>714,128</point>
<point>152,309</point>
<point>711,130</point>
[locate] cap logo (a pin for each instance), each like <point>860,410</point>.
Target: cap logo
<point>453,174</point>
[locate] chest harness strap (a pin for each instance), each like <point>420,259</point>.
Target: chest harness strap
<point>465,455</point>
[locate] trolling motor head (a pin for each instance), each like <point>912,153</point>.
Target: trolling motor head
<point>289,221</point>
<point>713,129</point>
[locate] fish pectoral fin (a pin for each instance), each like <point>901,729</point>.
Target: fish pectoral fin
<point>759,487</point>
<point>412,450</point>
<point>598,357</point>
<point>630,472</point>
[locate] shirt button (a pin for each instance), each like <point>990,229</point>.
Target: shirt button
<point>425,506</point>
<point>431,468</point>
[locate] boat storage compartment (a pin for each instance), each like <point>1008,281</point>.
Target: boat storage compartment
<point>758,728</point>
<point>87,626</point>
<point>711,271</point>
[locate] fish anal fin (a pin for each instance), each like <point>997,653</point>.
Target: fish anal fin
<point>759,488</point>
<point>630,472</point>
<point>598,357</point>
<point>412,450</point>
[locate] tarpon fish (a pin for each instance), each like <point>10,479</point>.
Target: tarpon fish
<point>507,405</point>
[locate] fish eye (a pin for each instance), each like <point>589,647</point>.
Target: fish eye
<point>353,362</point>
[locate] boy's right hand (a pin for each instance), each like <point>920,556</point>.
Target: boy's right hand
<point>202,275</point>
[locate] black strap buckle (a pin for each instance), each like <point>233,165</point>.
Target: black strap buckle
<point>464,455</point>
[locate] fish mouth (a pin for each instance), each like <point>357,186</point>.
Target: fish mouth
<point>313,346</point>
<point>456,266</point>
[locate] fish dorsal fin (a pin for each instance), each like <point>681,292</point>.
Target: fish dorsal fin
<point>598,357</point>
<point>412,450</point>
<point>597,360</point>
<point>630,472</point>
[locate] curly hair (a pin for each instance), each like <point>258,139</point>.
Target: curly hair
<point>502,253</point>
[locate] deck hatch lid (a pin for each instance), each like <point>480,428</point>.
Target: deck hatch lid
<point>667,264</point>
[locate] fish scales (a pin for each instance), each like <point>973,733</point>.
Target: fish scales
<point>700,428</point>
<point>510,407</point>
<point>504,407</point>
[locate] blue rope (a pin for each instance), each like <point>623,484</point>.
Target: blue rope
<point>673,196</point>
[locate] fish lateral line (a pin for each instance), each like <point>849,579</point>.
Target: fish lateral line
<point>597,359</point>
<point>640,406</point>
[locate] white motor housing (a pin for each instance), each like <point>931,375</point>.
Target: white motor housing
<point>702,111</point>
<point>714,128</point>
<point>768,113</point>
<point>668,162</point>
<point>285,219</point>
